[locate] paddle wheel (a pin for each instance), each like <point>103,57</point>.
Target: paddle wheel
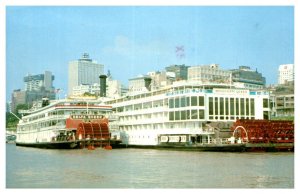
<point>263,131</point>
<point>93,134</point>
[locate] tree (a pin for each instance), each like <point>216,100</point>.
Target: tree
<point>11,120</point>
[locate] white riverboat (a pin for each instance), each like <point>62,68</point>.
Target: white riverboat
<point>67,123</point>
<point>185,113</point>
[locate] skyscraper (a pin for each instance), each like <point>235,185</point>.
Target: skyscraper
<point>83,71</point>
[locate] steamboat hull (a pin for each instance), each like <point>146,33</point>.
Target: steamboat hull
<point>248,147</point>
<point>79,144</point>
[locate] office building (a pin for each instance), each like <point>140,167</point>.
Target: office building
<point>83,71</point>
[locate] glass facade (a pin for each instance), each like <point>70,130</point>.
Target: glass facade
<point>225,108</point>
<point>193,108</point>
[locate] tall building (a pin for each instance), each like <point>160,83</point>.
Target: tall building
<point>39,82</point>
<point>83,71</point>
<point>36,87</point>
<point>244,77</point>
<point>286,73</point>
<point>181,71</point>
<point>209,74</point>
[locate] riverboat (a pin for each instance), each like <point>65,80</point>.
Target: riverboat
<point>189,115</point>
<point>66,123</point>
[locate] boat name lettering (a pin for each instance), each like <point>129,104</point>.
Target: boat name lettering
<point>186,91</point>
<point>86,116</point>
<point>231,91</point>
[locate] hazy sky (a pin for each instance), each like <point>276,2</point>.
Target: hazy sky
<point>135,40</point>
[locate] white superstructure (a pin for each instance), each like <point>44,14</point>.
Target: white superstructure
<point>181,112</point>
<point>58,121</point>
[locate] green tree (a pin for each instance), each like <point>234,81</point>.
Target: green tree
<point>12,120</point>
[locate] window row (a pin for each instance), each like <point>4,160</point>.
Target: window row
<point>231,106</point>
<point>179,102</point>
<point>186,115</point>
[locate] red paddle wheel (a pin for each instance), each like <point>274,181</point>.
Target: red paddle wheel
<point>264,131</point>
<point>93,134</point>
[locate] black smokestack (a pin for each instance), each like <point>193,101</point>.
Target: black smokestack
<point>147,83</point>
<point>102,85</point>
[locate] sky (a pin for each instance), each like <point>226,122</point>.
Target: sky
<point>133,40</point>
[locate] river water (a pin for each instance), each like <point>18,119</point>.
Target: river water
<point>145,168</point>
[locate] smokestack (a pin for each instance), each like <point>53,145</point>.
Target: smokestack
<point>102,85</point>
<point>147,83</point>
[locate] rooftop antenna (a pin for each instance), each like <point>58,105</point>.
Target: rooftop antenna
<point>179,50</point>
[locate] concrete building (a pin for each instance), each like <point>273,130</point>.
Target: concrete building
<point>83,71</point>
<point>181,71</point>
<point>139,84</point>
<point>209,74</point>
<point>161,79</point>
<point>282,101</point>
<point>286,73</point>
<point>35,88</point>
<point>244,77</point>
<point>39,82</point>
<point>114,89</point>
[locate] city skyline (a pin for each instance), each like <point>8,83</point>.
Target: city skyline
<point>134,40</point>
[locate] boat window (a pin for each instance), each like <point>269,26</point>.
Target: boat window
<point>171,116</point>
<point>188,113</point>
<point>221,106</point>
<point>182,102</point>
<point>176,102</point>
<point>242,106</point>
<point>201,100</point>
<point>232,107</point>
<point>177,115</point>
<point>171,103</point>
<point>237,106</point>
<point>183,115</point>
<point>216,106</point>
<point>194,114</point>
<point>265,103</point>
<point>194,100</point>
<point>187,101</point>
<point>227,107</point>
<point>247,106</point>
<point>201,114</point>
<point>211,106</point>
<point>252,107</point>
